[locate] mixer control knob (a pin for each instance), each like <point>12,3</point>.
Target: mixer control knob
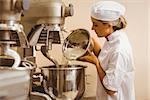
<point>69,11</point>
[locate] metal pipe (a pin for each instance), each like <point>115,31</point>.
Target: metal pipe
<point>13,54</point>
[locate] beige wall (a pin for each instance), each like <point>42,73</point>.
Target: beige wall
<point>137,14</point>
<point>149,47</point>
<point>137,30</point>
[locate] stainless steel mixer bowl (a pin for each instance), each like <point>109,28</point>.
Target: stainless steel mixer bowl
<point>76,44</point>
<point>15,84</point>
<point>64,83</point>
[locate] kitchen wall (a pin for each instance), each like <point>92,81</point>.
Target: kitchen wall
<point>138,27</point>
<point>149,47</point>
<point>137,14</point>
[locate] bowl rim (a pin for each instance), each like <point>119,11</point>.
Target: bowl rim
<point>72,67</point>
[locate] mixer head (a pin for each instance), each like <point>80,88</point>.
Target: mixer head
<point>44,34</point>
<point>11,31</point>
<point>46,18</point>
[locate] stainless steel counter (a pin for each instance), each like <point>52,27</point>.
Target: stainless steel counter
<point>89,98</point>
<point>41,96</point>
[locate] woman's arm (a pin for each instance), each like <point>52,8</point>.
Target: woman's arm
<point>101,74</point>
<point>90,57</point>
<point>96,46</point>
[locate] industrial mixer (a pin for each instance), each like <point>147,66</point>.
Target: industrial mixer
<point>46,19</point>
<point>15,71</point>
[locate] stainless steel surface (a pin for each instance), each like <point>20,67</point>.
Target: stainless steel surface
<point>45,34</point>
<point>7,51</point>
<point>48,24</point>
<point>13,30</point>
<point>12,9</point>
<point>19,78</point>
<point>89,98</point>
<point>76,44</point>
<point>14,83</point>
<point>51,11</point>
<point>10,17</point>
<point>39,96</point>
<point>64,83</point>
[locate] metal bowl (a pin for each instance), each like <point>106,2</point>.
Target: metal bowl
<point>76,44</point>
<point>39,96</point>
<point>15,84</point>
<point>64,83</point>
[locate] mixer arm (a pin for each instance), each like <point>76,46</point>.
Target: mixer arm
<point>12,53</point>
<point>22,36</point>
<point>44,51</point>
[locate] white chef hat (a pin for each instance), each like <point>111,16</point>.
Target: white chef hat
<point>107,10</point>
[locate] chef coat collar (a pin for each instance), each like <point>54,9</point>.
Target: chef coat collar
<point>113,35</point>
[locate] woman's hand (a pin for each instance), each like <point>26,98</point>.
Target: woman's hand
<point>89,57</point>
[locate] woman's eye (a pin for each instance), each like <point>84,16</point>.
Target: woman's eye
<point>95,25</point>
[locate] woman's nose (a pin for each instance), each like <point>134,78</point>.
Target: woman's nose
<point>92,28</point>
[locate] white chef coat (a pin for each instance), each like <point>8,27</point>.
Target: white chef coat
<point>117,61</point>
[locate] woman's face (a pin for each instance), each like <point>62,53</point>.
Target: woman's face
<point>101,29</point>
